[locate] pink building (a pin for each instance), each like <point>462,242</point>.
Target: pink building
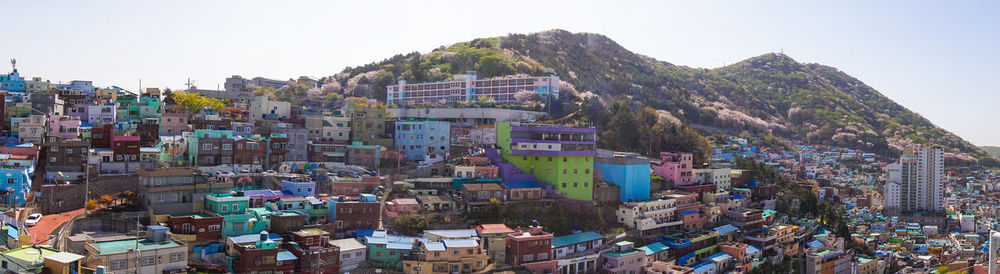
<point>623,258</point>
<point>173,121</point>
<point>675,167</point>
<point>401,206</point>
<point>693,220</point>
<point>64,127</point>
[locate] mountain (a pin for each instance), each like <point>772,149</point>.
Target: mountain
<point>769,95</point>
<point>995,151</point>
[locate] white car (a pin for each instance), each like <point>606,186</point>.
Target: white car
<point>226,174</point>
<point>270,172</point>
<point>33,219</point>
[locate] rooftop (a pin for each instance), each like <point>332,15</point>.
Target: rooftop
<point>494,229</point>
<point>121,246</point>
<point>452,233</point>
<point>347,244</point>
<point>310,232</point>
<point>575,238</point>
<point>29,253</point>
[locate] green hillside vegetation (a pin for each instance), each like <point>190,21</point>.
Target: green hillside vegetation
<point>995,151</point>
<point>620,91</point>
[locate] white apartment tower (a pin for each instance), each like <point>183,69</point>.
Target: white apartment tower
<point>920,178</point>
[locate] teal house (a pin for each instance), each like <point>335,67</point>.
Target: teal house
<point>387,251</point>
<point>238,218</point>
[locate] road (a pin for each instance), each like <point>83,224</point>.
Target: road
<point>49,223</point>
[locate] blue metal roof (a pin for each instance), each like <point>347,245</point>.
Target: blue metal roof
<point>523,184</point>
<point>703,267</point>
<point>751,249</point>
<point>434,246</point>
<point>686,212</point>
<point>725,229</point>
<point>814,244</point>
<point>460,243</point>
<point>453,233</point>
<point>575,238</point>
<point>720,257</point>
<point>286,256</point>
<point>250,238</point>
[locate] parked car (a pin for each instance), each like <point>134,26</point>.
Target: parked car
<point>270,172</point>
<point>245,171</point>
<point>33,219</point>
<point>226,174</point>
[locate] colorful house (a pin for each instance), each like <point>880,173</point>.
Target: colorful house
<point>624,258</point>
<point>237,219</point>
<point>15,184</point>
<point>562,157</point>
<point>298,187</point>
<point>417,139</point>
<point>387,251</point>
<point>628,172</point>
<point>675,167</point>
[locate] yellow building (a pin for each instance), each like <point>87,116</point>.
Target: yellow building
<point>447,256</point>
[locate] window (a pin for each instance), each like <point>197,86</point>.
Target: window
<point>206,146</point>
<point>52,159</point>
<point>54,149</point>
<point>227,146</point>
<point>528,258</point>
<point>236,208</point>
<point>309,241</point>
<point>119,264</point>
<point>148,260</point>
<point>213,228</point>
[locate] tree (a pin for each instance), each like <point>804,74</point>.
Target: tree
<point>193,102</point>
<point>525,96</point>
<point>91,204</point>
<point>168,97</point>
<point>106,199</point>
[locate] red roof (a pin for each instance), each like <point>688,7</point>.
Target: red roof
<point>493,229</point>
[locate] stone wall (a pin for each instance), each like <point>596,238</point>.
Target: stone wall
<point>62,198</point>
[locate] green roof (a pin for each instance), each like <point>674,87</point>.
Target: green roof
<point>623,253</point>
<point>120,246</point>
<point>30,253</point>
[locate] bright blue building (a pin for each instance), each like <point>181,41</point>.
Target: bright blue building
<point>15,182</point>
<point>417,139</point>
<point>298,187</point>
<point>12,82</point>
<point>629,173</point>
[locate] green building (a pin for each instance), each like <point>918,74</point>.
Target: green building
<point>238,218</point>
<point>562,157</point>
<point>387,251</point>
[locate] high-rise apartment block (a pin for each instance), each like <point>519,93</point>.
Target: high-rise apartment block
<point>916,183</point>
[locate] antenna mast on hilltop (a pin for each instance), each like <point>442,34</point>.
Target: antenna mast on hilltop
<point>13,64</point>
<point>189,84</point>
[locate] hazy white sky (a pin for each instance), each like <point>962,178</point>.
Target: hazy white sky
<point>939,59</point>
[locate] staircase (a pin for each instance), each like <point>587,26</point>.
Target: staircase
<point>508,171</point>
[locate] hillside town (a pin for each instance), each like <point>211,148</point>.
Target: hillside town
<point>103,179</point>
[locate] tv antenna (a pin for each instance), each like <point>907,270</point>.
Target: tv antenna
<point>189,84</point>
<point>13,64</point>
